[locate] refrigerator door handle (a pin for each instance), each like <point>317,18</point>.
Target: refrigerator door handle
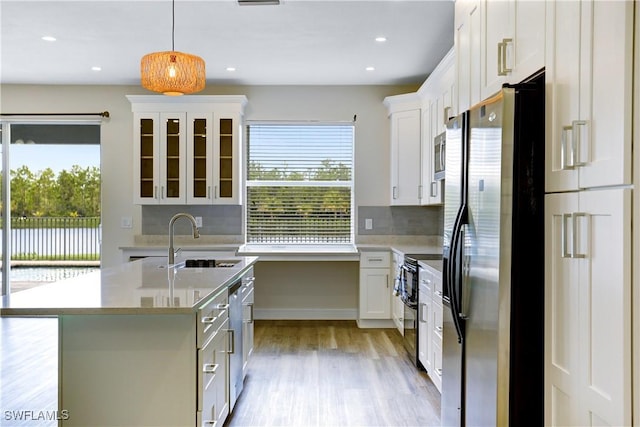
<point>453,295</point>
<point>465,291</point>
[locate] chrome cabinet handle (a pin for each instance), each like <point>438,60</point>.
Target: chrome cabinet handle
<point>434,189</point>
<point>419,191</point>
<point>574,249</point>
<point>375,259</point>
<point>232,336</point>
<point>439,328</point>
<point>566,159</point>
<point>563,236</point>
<point>387,276</point>
<point>222,306</point>
<point>155,192</point>
<point>438,293</point>
<point>445,115</point>
<point>211,422</point>
<point>209,319</point>
<point>215,191</point>
<point>394,192</point>
<point>209,368</point>
<point>209,192</point>
<point>571,149</point>
<point>577,136</point>
<point>574,235</point>
<point>503,70</point>
<point>439,372</point>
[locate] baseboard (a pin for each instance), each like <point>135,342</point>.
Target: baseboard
<point>376,323</point>
<point>305,314</point>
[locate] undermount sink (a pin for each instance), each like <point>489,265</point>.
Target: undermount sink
<point>210,263</point>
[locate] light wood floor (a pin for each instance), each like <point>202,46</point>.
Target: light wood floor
<point>321,373</point>
<point>303,373</point>
<point>28,371</point>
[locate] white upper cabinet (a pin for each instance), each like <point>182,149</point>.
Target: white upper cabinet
<point>467,52</point>
<point>513,42</point>
<point>438,94</point>
<point>589,59</point>
<point>187,150</point>
<point>405,116</point>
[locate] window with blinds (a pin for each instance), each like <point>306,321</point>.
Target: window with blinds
<point>299,183</point>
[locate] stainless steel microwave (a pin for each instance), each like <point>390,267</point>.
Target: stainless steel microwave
<point>438,156</point>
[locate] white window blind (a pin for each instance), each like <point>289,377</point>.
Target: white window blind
<point>299,183</point>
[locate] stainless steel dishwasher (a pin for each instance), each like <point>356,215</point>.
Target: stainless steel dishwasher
<point>235,353</point>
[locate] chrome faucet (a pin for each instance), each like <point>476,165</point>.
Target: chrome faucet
<point>194,226</point>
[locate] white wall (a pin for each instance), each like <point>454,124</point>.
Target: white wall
<point>265,102</point>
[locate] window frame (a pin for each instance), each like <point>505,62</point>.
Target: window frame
<point>247,183</point>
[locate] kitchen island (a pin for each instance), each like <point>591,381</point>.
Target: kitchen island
<point>144,344</point>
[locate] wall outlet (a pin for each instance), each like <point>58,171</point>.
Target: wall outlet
<point>368,224</point>
<point>198,221</point>
<point>126,222</point>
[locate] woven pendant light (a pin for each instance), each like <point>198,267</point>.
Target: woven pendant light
<point>171,72</point>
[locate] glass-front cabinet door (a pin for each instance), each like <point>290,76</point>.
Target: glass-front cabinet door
<point>227,174</point>
<point>159,153</point>
<point>146,170</point>
<point>172,155</point>
<point>199,158</point>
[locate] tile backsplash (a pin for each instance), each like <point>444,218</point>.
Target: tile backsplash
<point>216,220</point>
<point>401,220</point>
<point>227,220</point>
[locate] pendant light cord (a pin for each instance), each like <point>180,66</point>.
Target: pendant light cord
<point>173,25</point>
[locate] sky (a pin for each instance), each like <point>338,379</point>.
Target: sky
<point>38,157</point>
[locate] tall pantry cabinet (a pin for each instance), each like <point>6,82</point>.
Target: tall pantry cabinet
<point>588,264</point>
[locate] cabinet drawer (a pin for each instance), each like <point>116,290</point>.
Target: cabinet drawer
<point>211,317</point>
<point>436,357</point>
<point>436,319</point>
<point>212,366</point>
<point>375,260</point>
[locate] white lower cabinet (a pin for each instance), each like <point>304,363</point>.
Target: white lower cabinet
<point>214,373</point>
<point>247,291</point>
<point>397,306</point>
<point>375,286</point>
<point>213,361</point>
<point>424,319</point>
<point>588,308</point>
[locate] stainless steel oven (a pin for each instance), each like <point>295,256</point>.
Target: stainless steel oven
<point>439,143</point>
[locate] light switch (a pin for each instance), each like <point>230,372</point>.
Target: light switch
<point>368,224</point>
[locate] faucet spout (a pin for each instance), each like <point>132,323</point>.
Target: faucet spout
<point>172,221</point>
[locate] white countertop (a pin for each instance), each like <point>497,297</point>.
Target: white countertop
<point>432,264</point>
<point>147,286</point>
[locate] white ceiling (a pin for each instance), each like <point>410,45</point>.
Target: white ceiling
<point>301,42</point>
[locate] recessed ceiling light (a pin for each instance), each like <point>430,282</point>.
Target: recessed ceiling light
<point>96,68</point>
<point>381,39</point>
<point>370,69</point>
<point>48,38</point>
<point>231,68</point>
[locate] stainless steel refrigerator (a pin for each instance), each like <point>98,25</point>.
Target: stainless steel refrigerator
<point>493,260</point>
